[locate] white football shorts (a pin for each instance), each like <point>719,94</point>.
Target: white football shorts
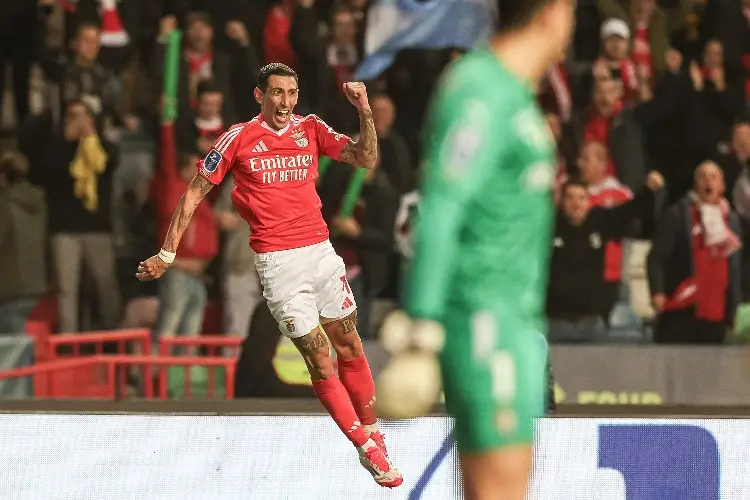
<point>303,285</point>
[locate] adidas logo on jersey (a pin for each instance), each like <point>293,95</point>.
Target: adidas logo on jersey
<point>347,303</point>
<point>260,148</point>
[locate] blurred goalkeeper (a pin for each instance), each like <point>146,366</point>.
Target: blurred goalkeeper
<point>482,246</point>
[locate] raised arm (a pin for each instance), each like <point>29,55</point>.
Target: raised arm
<point>211,171</point>
<point>363,152</point>
<point>155,266</point>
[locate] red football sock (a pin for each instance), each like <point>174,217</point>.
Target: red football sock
<point>357,378</point>
<point>336,401</point>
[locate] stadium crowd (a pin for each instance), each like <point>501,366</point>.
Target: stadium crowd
<point>90,172</point>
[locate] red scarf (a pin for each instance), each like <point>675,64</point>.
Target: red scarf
<point>597,130</point>
<point>642,49</point>
<point>707,288</point>
<point>629,80</point>
<point>610,193</point>
<point>200,68</point>
<point>209,128</point>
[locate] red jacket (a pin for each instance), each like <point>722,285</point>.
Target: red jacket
<point>201,238</point>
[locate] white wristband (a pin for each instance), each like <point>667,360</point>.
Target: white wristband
<point>167,257</point>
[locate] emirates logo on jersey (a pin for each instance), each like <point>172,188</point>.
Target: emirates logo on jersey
<point>300,139</point>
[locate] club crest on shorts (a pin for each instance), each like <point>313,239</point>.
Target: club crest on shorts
<point>300,139</point>
<point>211,162</point>
<point>289,322</point>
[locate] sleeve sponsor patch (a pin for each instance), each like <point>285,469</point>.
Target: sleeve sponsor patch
<point>211,162</point>
<point>461,148</point>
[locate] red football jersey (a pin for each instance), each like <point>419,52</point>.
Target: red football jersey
<point>274,175</point>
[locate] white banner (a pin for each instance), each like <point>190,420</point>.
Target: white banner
<point>145,457</point>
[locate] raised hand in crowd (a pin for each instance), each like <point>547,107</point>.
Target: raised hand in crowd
<point>673,59</point>
<point>717,76</point>
<point>237,32</point>
<point>654,181</point>
<point>696,76</point>
<point>167,25</point>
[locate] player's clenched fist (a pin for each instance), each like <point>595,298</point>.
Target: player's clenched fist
<point>356,92</point>
<point>151,269</point>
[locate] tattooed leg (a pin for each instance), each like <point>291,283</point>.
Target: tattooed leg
<point>354,371</point>
<point>316,353</point>
<point>328,387</point>
<point>344,336</point>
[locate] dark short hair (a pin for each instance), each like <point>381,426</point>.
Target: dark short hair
<point>517,14</point>
<point>197,16</point>
<point>573,182</point>
<point>80,102</point>
<point>86,25</point>
<point>340,8</point>
<point>271,69</point>
<point>206,86</point>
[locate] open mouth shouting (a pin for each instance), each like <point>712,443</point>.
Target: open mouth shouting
<point>281,116</point>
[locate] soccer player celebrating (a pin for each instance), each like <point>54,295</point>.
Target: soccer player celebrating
<point>483,237</point>
<point>274,162</point>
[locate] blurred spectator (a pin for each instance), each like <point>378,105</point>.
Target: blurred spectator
<point>651,27</point>
<point>578,299</point>
<point>182,289</point>
<point>200,62</point>
<point>326,64</point>
<point>714,102</point>
<point>120,23</point>
<point>242,290</point>
<point>18,26</point>
<point>607,122</point>
<point>197,130</point>
<point>395,159</point>
<point>729,22</point>
<point>694,265</point>
<point>364,240</point>
<point>76,166</point>
<point>80,77</point>
<point>23,244</point>
<point>605,191</point>
<point>614,61</point>
<point>276,43</point>
<point>734,160</point>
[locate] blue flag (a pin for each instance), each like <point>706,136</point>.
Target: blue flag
<point>393,25</point>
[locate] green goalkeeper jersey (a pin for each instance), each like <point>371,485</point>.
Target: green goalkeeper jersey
<point>483,233</point>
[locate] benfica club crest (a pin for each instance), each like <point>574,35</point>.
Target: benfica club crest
<point>299,139</point>
<point>289,322</point>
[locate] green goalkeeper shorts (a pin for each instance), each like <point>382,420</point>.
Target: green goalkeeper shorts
<point>493,367</point>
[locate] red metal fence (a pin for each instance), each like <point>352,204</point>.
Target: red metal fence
<point>82,365</point>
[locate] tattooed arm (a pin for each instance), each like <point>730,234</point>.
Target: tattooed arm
<point>364,152</point>
<point>194,194</point>
<point>155,266</point>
